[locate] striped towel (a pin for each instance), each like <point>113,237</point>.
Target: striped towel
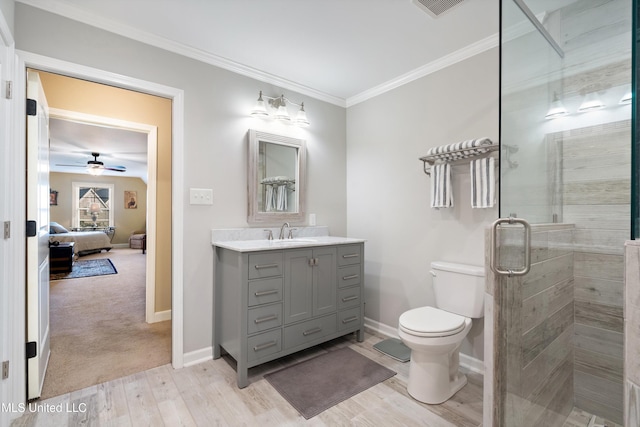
<point>483,183</point>
<point>441,196</point>
<point>469,148</point>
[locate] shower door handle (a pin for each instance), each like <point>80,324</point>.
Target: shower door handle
<point>494,247</point>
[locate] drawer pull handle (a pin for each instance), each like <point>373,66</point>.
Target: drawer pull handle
<point>311,331</point>
<point>258,266</point>
<point>350,298</point>
<point>353,276</point>
<point>350,255</point>
<point>350,319</point>
<point>266,319</point>
<point>265,346</point>
<point>263,293</point>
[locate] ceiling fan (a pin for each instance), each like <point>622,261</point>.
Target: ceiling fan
<point>96,167</point>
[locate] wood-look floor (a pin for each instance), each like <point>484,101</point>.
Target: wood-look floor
<point>206,395</point>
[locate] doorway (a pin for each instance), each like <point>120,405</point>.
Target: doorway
<point>175,176</point>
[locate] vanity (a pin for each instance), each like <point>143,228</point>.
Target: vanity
<point>276,297</point>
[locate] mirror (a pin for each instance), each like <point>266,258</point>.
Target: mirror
<point>276,186</point>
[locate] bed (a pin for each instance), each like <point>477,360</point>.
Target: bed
<point>86,242</point>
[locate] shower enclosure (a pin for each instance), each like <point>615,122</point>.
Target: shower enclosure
<point>565,168</point>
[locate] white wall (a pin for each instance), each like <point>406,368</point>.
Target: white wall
<point>388,192</point>
<point>217,103</point>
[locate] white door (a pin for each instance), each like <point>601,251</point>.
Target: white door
<point>37,245</point>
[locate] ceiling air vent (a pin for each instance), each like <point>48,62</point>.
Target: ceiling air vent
<point>436,8</point>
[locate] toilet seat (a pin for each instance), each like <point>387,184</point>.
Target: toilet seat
<point>431,322</point>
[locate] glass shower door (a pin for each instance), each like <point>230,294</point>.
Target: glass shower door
<point>565,171</point>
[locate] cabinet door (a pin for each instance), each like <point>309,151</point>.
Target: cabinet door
<point>324,281</point>
<point>298,280</point>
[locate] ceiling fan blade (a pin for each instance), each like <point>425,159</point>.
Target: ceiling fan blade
<point>73,166</point>
<point>116,168</point>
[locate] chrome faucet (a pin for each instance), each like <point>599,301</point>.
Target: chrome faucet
<point>286,224</point>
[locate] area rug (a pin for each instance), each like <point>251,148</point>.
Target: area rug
<point>316,385</point>
<point>87,268</point>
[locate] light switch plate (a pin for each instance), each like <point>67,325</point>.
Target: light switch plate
<point>201,196</point>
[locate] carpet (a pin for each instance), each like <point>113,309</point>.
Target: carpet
<point>87,268</point>
<point>315,385</point>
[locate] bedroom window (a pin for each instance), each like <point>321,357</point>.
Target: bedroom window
<point>92,205</point>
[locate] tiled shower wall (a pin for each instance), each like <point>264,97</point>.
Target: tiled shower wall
<point>632,338</point>
<point>536,313</point>
<point>596,192</point>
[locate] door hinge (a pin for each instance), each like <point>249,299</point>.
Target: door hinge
<point>8,89</point>
<point>32,350</point>
<point>5,369</point>
<point>32,107</point>
<point>7,229</point>
<point>32,228</point>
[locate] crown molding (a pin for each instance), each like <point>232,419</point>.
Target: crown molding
<point>444,62</point>
<point>77,14</point>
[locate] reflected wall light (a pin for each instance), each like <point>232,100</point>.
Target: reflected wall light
<point>556,109</point>
<point>591,102</point>
<point>279,112</point>
<point>626,98</point>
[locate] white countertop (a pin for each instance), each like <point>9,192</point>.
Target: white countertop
<point>276,244</point>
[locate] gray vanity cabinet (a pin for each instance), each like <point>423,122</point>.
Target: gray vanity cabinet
<point>271,303</point>
<point>310,283</point>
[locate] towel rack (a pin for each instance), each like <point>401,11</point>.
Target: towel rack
<point>456,155</point>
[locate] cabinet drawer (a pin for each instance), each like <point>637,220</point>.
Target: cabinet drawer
<point>263,345</point>
<point>308,331</point>
<point>349,254</point>
<point>348,276</point>
<point>264,317</point>
<point>349,297</point>
<point>349,319</point>
<point>265,291</point>
<point>265,265</point>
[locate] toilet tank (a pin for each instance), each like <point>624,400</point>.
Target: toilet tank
<point>459,288</point>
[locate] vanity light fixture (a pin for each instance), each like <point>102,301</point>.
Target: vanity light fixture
<point>556,109</point>
<point>591,102</point>
<point>279,105</point>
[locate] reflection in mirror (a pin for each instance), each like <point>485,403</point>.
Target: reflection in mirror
<point>276,178</point>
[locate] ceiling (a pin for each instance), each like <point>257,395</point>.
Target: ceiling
<point>71,145</point>
<point>334,50</point>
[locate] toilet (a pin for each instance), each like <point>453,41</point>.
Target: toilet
<point>434,334</point>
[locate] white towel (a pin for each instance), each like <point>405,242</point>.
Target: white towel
<point>483,183</point>
<point>441,196</point>
<point>281,198</point>
<point>269,204</point>
<point>469,148</point>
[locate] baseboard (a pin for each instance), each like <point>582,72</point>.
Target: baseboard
<point>466,361</point>
<point>198,356</point>
<point>160,316</point>
<point>381,328</point>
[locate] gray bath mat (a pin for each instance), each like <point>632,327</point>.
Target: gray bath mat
<point>317,384</point>
<point>394,348</point>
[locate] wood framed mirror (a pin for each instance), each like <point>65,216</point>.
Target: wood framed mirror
<point>276,178</point>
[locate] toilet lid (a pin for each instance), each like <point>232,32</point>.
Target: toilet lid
<point>431,322</point>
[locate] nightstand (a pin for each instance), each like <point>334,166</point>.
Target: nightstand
<point>61,257</point>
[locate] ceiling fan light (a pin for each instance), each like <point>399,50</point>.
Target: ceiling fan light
<point>95,170</point>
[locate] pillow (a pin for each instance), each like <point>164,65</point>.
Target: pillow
<point>55,228</point>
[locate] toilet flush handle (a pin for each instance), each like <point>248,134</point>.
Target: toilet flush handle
<point>433,273</point>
